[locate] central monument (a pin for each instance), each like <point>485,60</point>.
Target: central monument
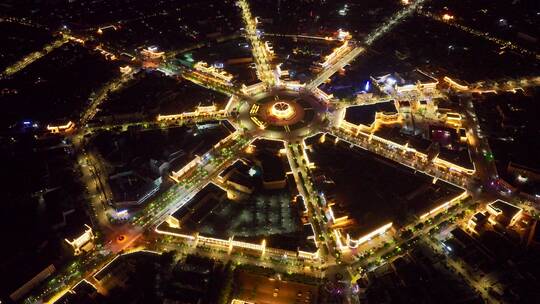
<point>282,113</point>
<point>282,110</point>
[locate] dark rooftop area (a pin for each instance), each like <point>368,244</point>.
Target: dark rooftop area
<point>370,189</point>
<point>365,115</point>
<point>507,209</point>
<point>460,157</point>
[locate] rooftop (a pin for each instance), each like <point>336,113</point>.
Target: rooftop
<point>371,190</point>
<point>460,157</point>
<point>507,209</point>
<point>365,114</point>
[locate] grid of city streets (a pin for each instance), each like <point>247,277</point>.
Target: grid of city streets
<point>293,169</point>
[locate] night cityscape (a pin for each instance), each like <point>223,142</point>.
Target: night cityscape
<point>270,151</point>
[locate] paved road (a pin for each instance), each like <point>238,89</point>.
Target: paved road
<point>460,268</point>
<point>338,65</point>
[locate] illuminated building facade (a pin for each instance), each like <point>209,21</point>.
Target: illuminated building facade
<point>218,74</point>
<point>504,213</point>
<point>336,54</point>
<point>69,126</point>
<point>152,57</point>
<point>83,243</point>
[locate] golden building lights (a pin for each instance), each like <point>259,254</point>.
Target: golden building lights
<point>282,110</point>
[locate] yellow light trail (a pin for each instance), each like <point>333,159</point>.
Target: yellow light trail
<point>31,58</point>
<point>102,95</point>
<point>509,85</point>
<point>392,22</point>
<point>265,71</point>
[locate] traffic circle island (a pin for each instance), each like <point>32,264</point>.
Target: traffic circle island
<point>282,114</point>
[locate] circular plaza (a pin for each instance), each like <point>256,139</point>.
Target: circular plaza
<point>282,114</point>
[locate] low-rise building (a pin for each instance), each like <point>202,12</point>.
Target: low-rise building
<point>132,189</point>
<point>478,220</point>
<point>504,213</point>
<point>83,243</point>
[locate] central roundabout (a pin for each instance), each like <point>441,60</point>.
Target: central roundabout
<point>282,113</point>
<point>282,110</point>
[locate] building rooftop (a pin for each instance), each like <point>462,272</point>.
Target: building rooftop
<point>396,134</point>
<point>242,178</point>
<point>393,134</point>
<point>239,164</point>
<point>204,201</point>
<point>369,189</point>
<point>460,157</point>
<point>130,188</point>
<point>479,217</point>
<point>463,237</point>
<point>365,114</point>
<point>506,209</point>
<point>272,166</point>
<point>445,136</point>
